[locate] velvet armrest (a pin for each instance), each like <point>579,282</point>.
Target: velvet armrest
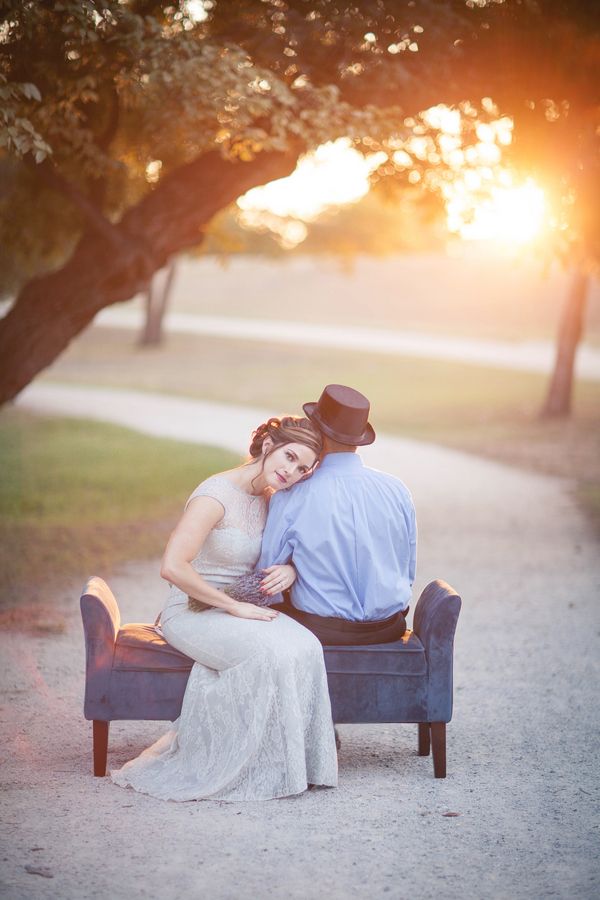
<point>434,623</point>
<point>101,623</point>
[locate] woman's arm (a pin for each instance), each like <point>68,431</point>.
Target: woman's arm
<point>201,516</point>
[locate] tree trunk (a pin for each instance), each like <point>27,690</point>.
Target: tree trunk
<point>560,391</point>
<point>53,309</point>
<point>157,299</point>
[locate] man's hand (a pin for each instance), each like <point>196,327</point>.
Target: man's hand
<point>277,579</point>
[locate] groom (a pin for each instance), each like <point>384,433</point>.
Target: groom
<point>349,531</point>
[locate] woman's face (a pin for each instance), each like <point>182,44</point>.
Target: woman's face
<point>287,464</point>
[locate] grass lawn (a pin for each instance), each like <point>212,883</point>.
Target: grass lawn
<point>78,497</point>
<point>486,411</point>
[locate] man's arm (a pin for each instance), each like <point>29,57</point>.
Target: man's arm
<point>412,566</point>
<point>277,540</point>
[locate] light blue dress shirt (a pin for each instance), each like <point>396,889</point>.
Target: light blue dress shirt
<point>351,533</point>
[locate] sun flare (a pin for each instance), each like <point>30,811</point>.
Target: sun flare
<point>513,214</point>
<point>482,200</point>
<point>335,174</point>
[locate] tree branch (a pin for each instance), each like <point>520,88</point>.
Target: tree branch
<point>96,221</point>
<point>52,309</point>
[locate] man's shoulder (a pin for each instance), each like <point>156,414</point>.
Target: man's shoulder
<point>299,492</point>
<point>387,480</point>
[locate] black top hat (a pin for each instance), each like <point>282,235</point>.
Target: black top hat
<point>342,414</point>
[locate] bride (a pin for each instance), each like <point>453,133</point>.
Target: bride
<point>256,718</point>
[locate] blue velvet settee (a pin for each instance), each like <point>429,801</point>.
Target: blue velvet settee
<point>132,673</point>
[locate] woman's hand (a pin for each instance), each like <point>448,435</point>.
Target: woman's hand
<point>251,611</point>
<point>278,578</point>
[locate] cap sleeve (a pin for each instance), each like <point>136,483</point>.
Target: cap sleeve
<point>216,487</point>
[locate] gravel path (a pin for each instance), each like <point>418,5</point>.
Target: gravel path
<point>524,356</point>
<point>522,747</point>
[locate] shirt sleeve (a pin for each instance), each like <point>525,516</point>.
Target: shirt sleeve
<point>278,540</point>
<point>412,566</point>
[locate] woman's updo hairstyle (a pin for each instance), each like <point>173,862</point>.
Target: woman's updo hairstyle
<point>287,430</point>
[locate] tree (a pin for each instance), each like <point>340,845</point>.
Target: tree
<point>129,125</point>
<point>157,299</point>
<point>550,86</point>
<point>539,64</point>
<point>134,124</point>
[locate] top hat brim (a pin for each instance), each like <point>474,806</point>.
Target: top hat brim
<point>367,437</point>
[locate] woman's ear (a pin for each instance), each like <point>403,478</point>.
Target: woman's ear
<point>267,445</point>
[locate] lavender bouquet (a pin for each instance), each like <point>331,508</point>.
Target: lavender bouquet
<point>246,589</point>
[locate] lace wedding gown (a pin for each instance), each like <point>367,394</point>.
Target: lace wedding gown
<point>256,718</point>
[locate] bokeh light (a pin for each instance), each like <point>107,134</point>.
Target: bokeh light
<point>483,199</point>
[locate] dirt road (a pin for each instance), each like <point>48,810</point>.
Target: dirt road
<point>522,747</point>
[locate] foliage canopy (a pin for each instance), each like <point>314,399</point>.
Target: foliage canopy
<point>128,124</point>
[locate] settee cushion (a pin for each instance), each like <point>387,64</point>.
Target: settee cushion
<point>140,648</point>
<point>403,657</point>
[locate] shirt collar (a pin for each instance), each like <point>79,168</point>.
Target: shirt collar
<point>341,461</point>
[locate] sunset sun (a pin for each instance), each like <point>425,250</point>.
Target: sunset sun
<point>508,214</point>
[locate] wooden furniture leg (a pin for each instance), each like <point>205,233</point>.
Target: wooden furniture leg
<point>424,739</point>
<point>438,748</point>
<point>100,732</point>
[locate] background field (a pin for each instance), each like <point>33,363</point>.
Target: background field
<point>469,293</point>
<point>77,498</point>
